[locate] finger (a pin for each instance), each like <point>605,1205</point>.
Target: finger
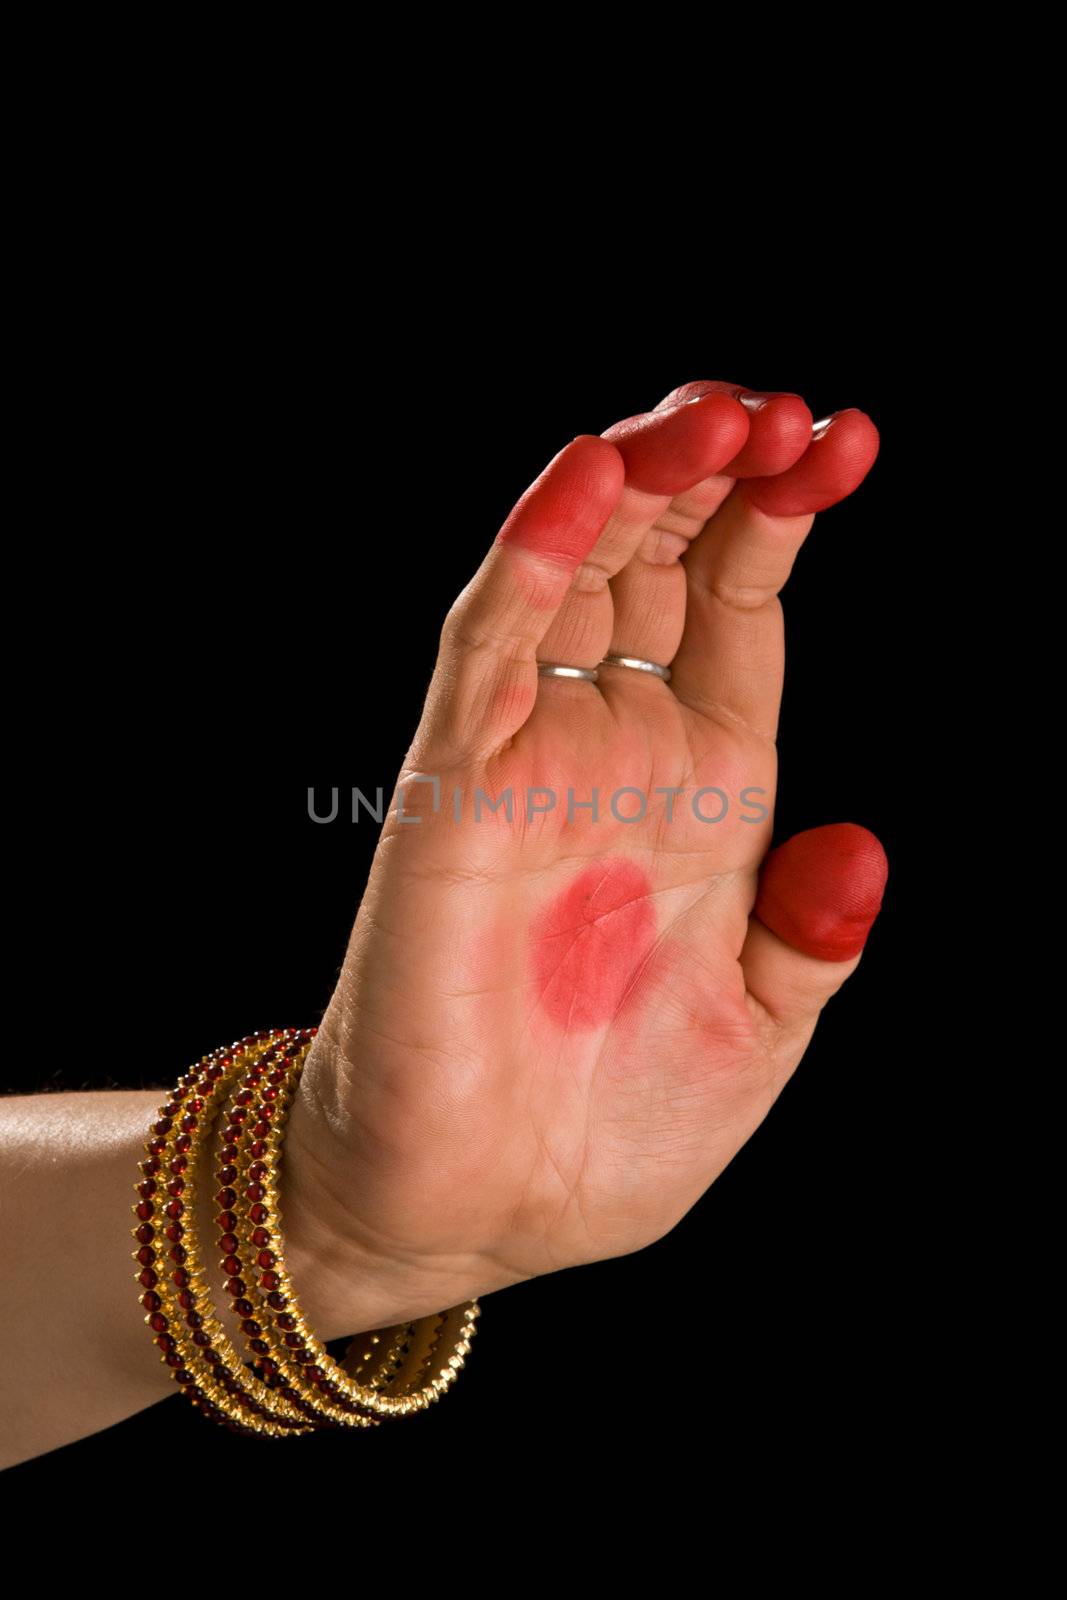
<point>731,657</point>
<point>674,447</point>
<point>780,426</point>
<point>485,681</point>
<point>819,894</point>
<point>649,593</point>
<point>665,453</point>
<point>842,451</point>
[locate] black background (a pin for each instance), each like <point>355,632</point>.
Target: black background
<point>273,503</point>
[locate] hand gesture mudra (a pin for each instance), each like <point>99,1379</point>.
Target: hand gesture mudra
<point>561,1014</point>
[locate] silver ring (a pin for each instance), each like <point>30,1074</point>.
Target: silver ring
<point>639,666</point>
<point>549,669</point>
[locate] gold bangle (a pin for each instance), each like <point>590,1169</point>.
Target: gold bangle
<point>179,1310</point>
<point>287,1388</point>
<point>385,1372</point>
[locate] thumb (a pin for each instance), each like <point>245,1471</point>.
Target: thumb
<point>818,896</point>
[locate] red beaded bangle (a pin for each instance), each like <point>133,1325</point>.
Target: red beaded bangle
<point>179,1309</point>
<point>403,1368</point>
<point>292,1384</point>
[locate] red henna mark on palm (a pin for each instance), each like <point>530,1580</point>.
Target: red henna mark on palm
<point>589,941</point>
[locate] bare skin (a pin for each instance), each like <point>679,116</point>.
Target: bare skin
<point>469,1124</point>
<point>79,1357</point>
<point>550,1033</point>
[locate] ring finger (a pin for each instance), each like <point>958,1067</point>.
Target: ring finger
<point>649,591</point>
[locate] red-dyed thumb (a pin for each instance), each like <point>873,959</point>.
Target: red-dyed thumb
<point>821,890</point>
<point>818,896</point>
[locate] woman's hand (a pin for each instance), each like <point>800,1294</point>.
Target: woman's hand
<point>555,1028</point>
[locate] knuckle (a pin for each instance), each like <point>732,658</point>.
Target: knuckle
<point>742,596</point>
<point>470,627</point>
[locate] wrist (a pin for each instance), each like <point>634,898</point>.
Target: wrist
<point>343,1287</point>
<point>337,1295</point>
<point>344,1283</point>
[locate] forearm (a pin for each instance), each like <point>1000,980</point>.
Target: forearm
<point>78,1356</point>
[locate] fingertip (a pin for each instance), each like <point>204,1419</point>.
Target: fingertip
<point>780,431</point>
<point>853,433</point>
<point>859,851</point>
<point>822,890</point>
<point>841,452</point>
<point>696,389</point>
<point>600,458</point>
<point>561,514</point>
<point>669,450</point>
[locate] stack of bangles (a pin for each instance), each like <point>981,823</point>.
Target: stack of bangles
<point>285,1381</point>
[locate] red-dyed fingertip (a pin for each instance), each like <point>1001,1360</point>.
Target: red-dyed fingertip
<point>822,889</point>
<point>562,513</point>
<point>670,450</point>
<point>779,433</point>
<point>841,453</point>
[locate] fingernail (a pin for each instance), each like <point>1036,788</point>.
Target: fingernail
<point>753,400</point>
<point>820,427</point>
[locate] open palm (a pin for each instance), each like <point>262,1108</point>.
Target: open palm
<point>559,1017</point>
